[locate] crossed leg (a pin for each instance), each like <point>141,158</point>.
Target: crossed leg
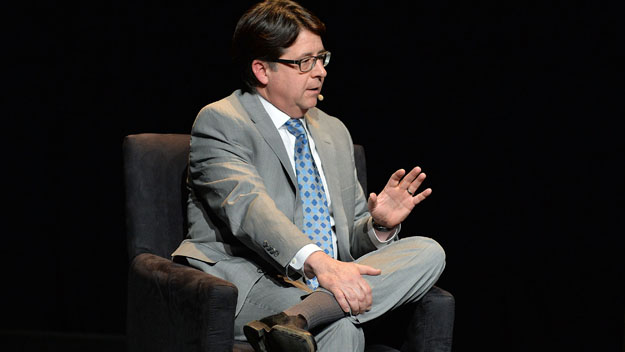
<point>410,267</point>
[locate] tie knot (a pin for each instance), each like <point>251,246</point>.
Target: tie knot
<point>295,127</point>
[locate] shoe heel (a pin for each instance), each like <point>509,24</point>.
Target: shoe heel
<point>255,333</point>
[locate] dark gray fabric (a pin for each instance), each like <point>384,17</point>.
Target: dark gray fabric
<point>173,307</point>
<point>361,166</point>
<point>155,170</point>
<point>432,323</point>
<point>424,326</point>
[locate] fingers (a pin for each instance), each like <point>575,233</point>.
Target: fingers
<point>413,179</point>
<point>353,301</point>
<point>367,299</point>
<point>359,298</point>
<point>342,300</point>
<point>409,182</point>
<point>345,281</point>
<point>355,296</point>
<point>421,196</point>
<point>373,198</point>
<point>415,183</point>
<point>368,270</point>
<point>396,177</point>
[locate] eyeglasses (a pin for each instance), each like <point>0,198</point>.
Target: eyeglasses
<point>308,63</point>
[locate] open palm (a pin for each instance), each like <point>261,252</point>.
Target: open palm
<point>398,197</point>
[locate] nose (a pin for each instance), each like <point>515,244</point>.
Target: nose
<point>319,70</point>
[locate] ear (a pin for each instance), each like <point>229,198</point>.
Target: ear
<point>260,69</point>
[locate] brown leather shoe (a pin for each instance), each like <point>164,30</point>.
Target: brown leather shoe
<point>279,332</point>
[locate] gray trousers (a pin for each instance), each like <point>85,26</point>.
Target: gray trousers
<point>410,267</point>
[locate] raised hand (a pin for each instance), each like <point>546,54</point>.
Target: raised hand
<point>398,197</point>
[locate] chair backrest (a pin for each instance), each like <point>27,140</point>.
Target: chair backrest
<point>361,166</point>
<point>155,168</point>
<point>154,172</point>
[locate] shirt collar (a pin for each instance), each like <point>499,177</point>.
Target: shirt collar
<point>278,117</point>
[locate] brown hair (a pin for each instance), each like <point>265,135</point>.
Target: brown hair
<point>265,31</point>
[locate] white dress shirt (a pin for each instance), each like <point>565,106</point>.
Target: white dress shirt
<point>279,118</point>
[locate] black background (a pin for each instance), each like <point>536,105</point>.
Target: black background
<point>513,109</point>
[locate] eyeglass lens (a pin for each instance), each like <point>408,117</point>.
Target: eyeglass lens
<point>308,63</point>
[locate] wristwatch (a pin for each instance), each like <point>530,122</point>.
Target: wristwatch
<point>380,227</point>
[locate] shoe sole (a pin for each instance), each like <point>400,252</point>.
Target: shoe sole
<point>255,332</point>
<point>279,338</point>
<point>284,338</point>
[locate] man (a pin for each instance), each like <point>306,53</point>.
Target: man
<point>275,206</point>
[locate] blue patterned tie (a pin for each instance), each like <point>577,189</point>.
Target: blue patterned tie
<point>316,214</point>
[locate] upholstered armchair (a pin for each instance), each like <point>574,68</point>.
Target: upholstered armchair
<point>174,307</point>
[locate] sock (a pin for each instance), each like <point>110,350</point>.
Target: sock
<point>318,308</point>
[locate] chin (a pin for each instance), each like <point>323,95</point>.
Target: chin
<point>312,102</point>
<point>305,107</point>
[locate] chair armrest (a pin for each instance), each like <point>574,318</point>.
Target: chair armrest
<point>170,305</point>
<point>428,324</point>
<point>432,325</point>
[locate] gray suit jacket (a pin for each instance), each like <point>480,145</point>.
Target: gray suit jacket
<point>244,210</point>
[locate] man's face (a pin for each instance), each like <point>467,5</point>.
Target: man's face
<point>289,89</point>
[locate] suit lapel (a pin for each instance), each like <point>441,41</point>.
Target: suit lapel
<point>265,126</point>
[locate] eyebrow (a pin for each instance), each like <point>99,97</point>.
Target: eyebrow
<point>308,54</point>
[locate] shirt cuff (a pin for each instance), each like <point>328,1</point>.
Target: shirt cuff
<point>374,237</point>
<point>297,263</point>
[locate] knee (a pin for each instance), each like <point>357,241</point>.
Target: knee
<point>436,253</point>
<point>439,297</point>
<point>431,251</point>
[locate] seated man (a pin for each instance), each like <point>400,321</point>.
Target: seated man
<point>275,206</point>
